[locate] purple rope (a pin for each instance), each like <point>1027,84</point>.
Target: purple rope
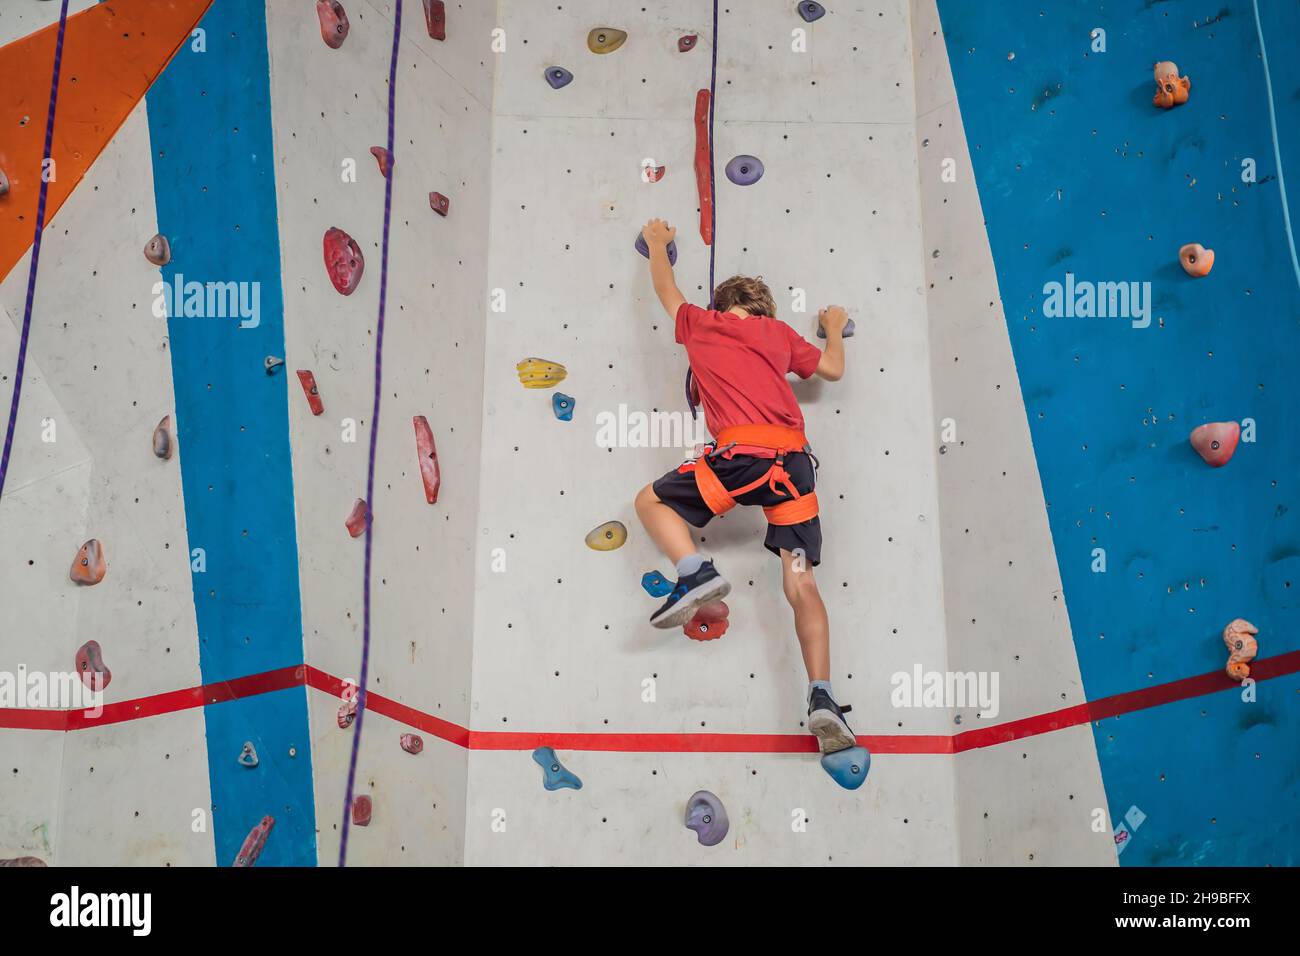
<point>374,436</point>
<point>36,252</point>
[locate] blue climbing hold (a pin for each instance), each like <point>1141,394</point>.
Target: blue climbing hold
<point>848,767</point>
<point>745,170</point>
<point>848,330</point>
<point>707,817</point>
<point>811,10</point>
<point>642,248</point>
<point>656,585</point>
<point>554,776</point>
<point>558,77</point>
<point>563,406</point>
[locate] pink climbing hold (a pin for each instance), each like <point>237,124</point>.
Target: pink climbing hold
<point>333,22</point>
<point>1216,441</point>
<point>654,173</point>
<point>91,668</point>
<point>362,809</point>
<point>343,260</point>
<point>89,566</point>
<point>347,713</point>
<point>439,203</point>
<point>384,158</point>
<point>412,743</point>
<point>158,250</point>
<point>22,860</point>
<point>308,381</point>
<point>687,43</point>
<point>1239,635</point>
<point>162,439</point>
<point>435,18</point>
<point>428,452</point>
<point>254,843</point>
<point>358,518</point>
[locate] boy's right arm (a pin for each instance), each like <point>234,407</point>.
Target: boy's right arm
<point>831,365</point>
<point>657,235</point>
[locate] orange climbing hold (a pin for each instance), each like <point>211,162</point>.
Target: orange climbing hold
<point>358,518</point>
<point>1171,89</point>
<point>1197,261</point>
<point>1242,647</point>
<point>308,381</point>
<point>362,809</point>
<point>1216,441</point>
<point>162,439</point>
<point>333,22</point>
<point>158,251</point>
<point>89,566</point>
<point>435,18</point>
<point>704,166</point>
<point>428,452</point>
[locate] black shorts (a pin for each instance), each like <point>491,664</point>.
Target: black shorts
<point>678,491</point>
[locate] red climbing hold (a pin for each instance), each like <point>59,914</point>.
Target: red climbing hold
<point>362,808</point>
<point>704,166</point>
<point>254,843</point>
<point>89,566</point>
<point>1216,441</point>
<point>716,611</point>
<point>347,713</point>
<point>1239,635</point>
<point>91,668</point>
<point>343,260</point>
<point>308,381</point>
<point>439,203</point>
<point>428,453</point>
<point>653,173</point>
<point>333,22</point>
<point>162,439</point>
<point>687,43</point>
<point>358,518</point>
<point>710,622</point>
<point>435,18</point>
<point>384,158</point>
<point>22,860</point>
<point>411,743</point>
<point>158,250</point>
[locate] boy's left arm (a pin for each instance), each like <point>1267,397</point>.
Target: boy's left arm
<point>658,234</point>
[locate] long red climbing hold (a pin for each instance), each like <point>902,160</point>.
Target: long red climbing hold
<point>362,809</point>
<point>704,166</point>
<point>428,452</point>
<point>308,381</point>
<point>343,260</point>
<point>1216,441</point>
<point>384,158</point>
<point>435,18</point>
<point>92,670</point>
<point>333,22</point>
<point>89,566</point>
<point>254,843</point>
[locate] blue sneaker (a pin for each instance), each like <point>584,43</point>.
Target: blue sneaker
<point>826,721</point>
<point>692,592</point>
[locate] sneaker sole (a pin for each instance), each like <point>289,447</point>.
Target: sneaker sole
<point>832,733</point>
<point>713,590</point>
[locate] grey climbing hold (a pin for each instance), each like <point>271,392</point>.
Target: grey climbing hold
<point>271,363</point>
<point>644,249</point>
<point>158,250</point>
<point>554,775</point>
<point>810,10</point>
<point>558,77</point>
<point>248,756</point>
<point>707,817</point>
<point>162,438</point>
<point>745,170</point>
<point>4,183</point>
<point>847,333</point>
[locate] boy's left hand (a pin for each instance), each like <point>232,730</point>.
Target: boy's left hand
<point>658,233</point>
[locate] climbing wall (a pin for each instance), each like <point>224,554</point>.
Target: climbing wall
<point>929,164</point>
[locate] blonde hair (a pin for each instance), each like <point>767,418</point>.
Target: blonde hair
<point>752,295</point>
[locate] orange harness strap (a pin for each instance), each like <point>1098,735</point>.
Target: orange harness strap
<point>778,438</point>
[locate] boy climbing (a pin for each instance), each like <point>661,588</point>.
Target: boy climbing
<point>739,355</point>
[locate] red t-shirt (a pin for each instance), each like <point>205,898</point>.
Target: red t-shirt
<point>740,364</point>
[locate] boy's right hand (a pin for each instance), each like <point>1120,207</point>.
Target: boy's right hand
<point>656,232</point>
<point>833,319</point>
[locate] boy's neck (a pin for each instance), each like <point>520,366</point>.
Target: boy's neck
<point>737,311</point>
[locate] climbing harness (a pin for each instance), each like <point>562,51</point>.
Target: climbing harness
<point>779,439</point>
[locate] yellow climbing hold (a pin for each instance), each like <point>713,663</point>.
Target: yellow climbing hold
<point>605,39</point>
<point>610,536</point>
<point>540,373</point>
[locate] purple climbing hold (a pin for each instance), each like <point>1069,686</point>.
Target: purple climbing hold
<point>558,77</point>
<point>847,333</point>
<point>642,248</point>
<point>707,817</point>
<point>810,10</point>
<point>745,170</point>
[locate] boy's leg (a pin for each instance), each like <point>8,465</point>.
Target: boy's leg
<point>698,581</point>
<point>811,624</point>
<point>666,527</point>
